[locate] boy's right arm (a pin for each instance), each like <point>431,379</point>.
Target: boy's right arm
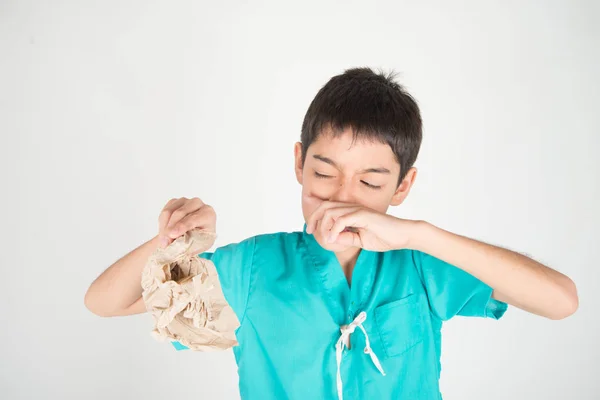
<point>118,290</point>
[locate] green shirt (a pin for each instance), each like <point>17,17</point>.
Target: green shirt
<point>293,302</point>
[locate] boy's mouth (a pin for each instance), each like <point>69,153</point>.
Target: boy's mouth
<point>350,229</point>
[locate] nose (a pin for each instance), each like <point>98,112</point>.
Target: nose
<point>343,193</point>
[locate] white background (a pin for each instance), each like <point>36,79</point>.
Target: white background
<point>109,109</point>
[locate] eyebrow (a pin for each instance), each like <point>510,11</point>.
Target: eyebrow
<point>329,161</point>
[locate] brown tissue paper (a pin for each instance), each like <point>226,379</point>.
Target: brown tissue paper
<point>184,296</point>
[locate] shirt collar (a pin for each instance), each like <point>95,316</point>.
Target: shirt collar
<point>328,268</point>
<point>321,256</point>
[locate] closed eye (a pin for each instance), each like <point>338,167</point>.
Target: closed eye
<point>321,176</point>
<point>367,184</point>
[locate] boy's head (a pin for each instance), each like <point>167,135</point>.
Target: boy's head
<point>360,138</point>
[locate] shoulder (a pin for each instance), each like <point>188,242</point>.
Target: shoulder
<point>277,238</point>
<point>275,246</point>
<point>264,241</point>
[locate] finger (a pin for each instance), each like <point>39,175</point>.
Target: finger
<point>165,241</point>
<point>351,239</point>
<point>318,228</point>
<point>352,219</point>
<point>188,207</point>
<point>204,218</point>
<point>318,214</point>
<point>166,212</point>
<point>164,218</point>
<point>311,222</point>
<point>315,203</point>
<point>332,215</point>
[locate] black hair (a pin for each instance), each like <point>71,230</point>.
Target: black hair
<point>374,106</point>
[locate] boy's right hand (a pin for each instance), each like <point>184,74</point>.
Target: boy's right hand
<point>182,215</point>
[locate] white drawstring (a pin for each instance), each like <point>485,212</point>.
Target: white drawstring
<point>347,330</point>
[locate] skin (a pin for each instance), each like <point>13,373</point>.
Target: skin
<point>117,291</point>
<point>352,184</point>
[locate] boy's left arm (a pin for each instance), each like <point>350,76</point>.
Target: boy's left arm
<point>515,279</point>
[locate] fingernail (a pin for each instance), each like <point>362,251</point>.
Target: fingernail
<point>164,242</point>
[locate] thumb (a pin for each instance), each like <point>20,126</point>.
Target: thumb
<point>164,241</point>
<point>349,239</point>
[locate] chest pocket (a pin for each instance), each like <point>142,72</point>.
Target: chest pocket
<point>400,324</point>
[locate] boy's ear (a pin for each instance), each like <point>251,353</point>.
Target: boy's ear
<point>404,187</point>
<point>298,161</point>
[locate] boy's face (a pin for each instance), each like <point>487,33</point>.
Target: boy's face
<point>363,172</point>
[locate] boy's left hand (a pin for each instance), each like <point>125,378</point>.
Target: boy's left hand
<point>357,226</point>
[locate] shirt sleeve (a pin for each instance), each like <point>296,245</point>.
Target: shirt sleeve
<point>233,263</point>
<point>452,291</point>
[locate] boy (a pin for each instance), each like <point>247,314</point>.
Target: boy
<point>351,306</point>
